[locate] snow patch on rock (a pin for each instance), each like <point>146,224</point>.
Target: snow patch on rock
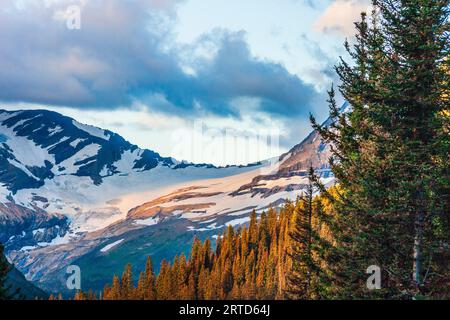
<point>111,245</point>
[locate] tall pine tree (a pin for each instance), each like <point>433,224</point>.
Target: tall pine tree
<point>301,246</point>
<point>390,152</point>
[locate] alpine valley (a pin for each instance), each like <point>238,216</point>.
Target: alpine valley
<point>74,194</point>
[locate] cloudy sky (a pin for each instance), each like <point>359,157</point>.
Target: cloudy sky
<point>223,82</point>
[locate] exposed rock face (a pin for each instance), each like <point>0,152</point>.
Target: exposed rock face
<point>153,208</point>
<point>23,227</point>
<point>311,152</point>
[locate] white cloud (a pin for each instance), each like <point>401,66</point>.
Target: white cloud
<point>340,16</point>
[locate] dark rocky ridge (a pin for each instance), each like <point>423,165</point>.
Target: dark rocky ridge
<point>19,225</point>
<point>35,125</point>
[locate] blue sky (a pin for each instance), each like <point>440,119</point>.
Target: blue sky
<point>168,74</point>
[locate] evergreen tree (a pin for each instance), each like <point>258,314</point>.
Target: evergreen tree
<point>5,267</point>
<point>140,290</point>
<point>390,152</point>
<point>115,289</point>
<point>149,281</point>
<point>91,295</point>
<point>80,295</point>
<point>300,249</point>
<point>127,289</point>
<point>307,246</point>
<point>163,282</point>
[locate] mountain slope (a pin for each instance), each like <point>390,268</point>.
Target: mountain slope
<point>76,194</point>
<point>21,288</point>
<point>59,177</point>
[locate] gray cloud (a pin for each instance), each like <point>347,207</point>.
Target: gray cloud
<point>125,52</point>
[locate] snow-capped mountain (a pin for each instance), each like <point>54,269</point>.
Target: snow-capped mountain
<point>76,194</point>
<point>39,146</point>
<point>56,172</point>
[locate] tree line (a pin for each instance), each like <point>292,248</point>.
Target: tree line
<point>257,261</point>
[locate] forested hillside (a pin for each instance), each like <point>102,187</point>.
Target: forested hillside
<point>254,262</point>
